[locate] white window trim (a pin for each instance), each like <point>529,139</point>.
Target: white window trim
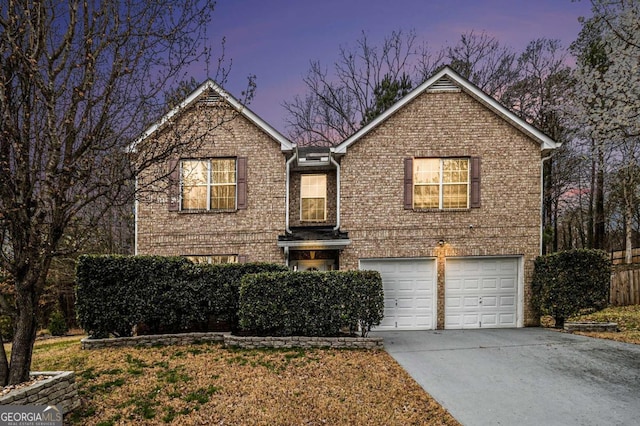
<point>324,218</point>
<point>441,184</point>
<point>209,182</point>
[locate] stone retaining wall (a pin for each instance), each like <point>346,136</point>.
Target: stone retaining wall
<point>247,342</point>
<point>59,388</point>
<point>304,342</point>
<point>590,326</point>
<point>151,340</point>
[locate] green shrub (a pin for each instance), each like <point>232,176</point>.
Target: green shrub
<point>6,327</point>
<point>161,294</point>
<point>568,282</point>
<point>57,324</point>
<point>311,303</point>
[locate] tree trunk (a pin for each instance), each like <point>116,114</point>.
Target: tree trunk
<point>599,230</point>
<point>25,336</point>
<point>4,365</point>
<point>559,322</point>
<point>628,228</point>
<point>592,190</point>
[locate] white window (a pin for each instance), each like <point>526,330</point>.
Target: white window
<point>441,183</point>
<point>214,259</point>
<point>313,198</point>
<point>208,184</point>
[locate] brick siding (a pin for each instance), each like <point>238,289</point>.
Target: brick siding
<point>443,125</point>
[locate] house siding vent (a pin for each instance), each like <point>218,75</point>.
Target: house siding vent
<point>211,98</point>
<point>443,85</point>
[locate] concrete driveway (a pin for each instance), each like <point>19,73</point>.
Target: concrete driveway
<point>529,376</point>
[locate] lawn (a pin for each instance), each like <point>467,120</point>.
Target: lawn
<point>208,384</point>
<point>627,318</point>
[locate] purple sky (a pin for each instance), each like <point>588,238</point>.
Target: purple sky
<point>276,39</point>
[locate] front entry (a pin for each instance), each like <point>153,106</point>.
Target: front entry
<point>313,260</point>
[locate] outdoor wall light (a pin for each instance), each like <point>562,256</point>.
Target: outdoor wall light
<point>441,242</point>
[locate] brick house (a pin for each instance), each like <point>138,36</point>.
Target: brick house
<point>441,194</point>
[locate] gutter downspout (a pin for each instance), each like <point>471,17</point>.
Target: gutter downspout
<point>286,198</point>
<point>542,200</point>
<point>135,218</point>
<point>335,163</point>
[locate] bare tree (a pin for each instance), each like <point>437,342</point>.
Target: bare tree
<point>537,95</point>
<point>484,61</point>
<point>79,80</point>
<point>336,103</point>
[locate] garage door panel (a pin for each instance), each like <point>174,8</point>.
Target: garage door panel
<point>489,302</point>
<point>409,289</point>
<point>489,284</point>
<point>481,292</point>
<point>508,283</point>
<point>453,302</point>
<point>507,301</point>
<point>470,301</point>
<point>470,284</point>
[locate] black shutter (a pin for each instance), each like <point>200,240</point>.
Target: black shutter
<point>242,182</point>
<point>173,191</point>
<point>408,183</point>
<point>475,182</point>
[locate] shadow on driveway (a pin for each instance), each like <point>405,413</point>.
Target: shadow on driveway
<point>529,376</point>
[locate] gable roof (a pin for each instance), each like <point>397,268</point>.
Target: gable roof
<point>448,80</point>
<point>285,144</point>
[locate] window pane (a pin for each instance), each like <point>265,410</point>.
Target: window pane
<point>223,171</point>
<point>455,196</point>
<point>426,196</point>
<point>223,184</point>
<point>194,197</point>
<point>455,171</point>
<point>194,172</point>
<point>426,170</point>
<point>313,209</point>
<point>223,197</point>
<point>224,259</point>
<point>313,196</point>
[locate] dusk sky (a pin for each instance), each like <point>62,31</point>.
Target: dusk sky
<point>276,39</point>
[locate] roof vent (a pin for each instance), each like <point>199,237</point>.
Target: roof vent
<point>443,84</point>
<point>210,98</point>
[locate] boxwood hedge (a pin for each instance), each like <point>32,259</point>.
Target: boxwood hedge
<point>165,294</point>
<point>568,282</point>
<point>311,303</point>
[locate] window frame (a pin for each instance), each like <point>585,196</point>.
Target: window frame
<point>209,258</point>
<point>210,184</point>
<point>441,184</point>
<point>302,197</point>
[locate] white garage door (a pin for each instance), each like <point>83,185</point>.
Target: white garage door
<point>409,292</point>
<point>481,292</point>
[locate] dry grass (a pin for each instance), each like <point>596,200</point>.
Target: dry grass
<point>207,384</point>
<point>627,318</point>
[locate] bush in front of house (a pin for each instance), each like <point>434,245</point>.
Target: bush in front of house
<point>569,282</point>
<point>220,287</point>
<point>156,294</point>
<point>311,303</point>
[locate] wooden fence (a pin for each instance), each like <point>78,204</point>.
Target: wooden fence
<point>618,257</point>
<point>625,285</point>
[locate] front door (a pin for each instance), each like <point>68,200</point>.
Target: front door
<point>313,265</point>
<point>314,260</point>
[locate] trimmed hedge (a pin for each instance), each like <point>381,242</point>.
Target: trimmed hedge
<point>311,303</point>
<point>165,294</point>
<point>568,282</point>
